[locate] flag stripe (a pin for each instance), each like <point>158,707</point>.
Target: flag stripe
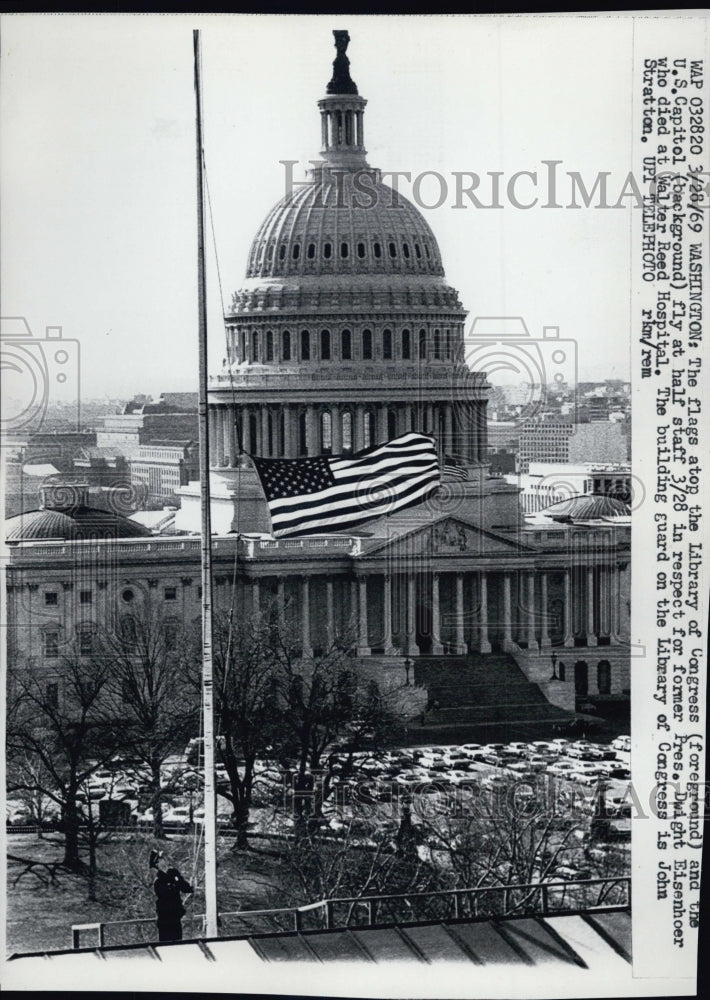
<point>306,496</point>
<point>356,507</point>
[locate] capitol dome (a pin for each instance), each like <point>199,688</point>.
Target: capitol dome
<point>344,332</point>
<point>344,224</point>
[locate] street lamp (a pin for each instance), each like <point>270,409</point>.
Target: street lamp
<point>554,665</point>
<point>407,667</point>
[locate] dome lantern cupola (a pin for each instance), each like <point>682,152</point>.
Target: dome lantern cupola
<point>342,114</point>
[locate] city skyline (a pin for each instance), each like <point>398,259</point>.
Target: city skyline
<point>99,160</point>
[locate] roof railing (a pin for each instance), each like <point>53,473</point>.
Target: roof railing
<point>477,903</point>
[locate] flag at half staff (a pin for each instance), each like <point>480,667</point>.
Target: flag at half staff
<point>317,495</point>
<point>454,469</point>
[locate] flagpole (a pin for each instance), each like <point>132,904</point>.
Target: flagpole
<point>210,826</point>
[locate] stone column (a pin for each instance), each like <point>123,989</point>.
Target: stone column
<point>507,633</point>
<point>280,599</point>
<point>288,449</point>
<point>591,637</point>
<point>387,615</point>
<point>615,588</point>
<point>460,641</point>
<point>265,450</point>
<point>255,602</point>
<point>212,432</point>
<point>411,647</point>
<point>436,646</point>
<point>363,640</point>
<point>244,416</point>
<point>531,640</point>
<point>306,648</point>
<point>231,430</point>
<point>544,632</point>
<point>336,429</point>
<point>381,425</point>
<point>448,430</point>
<point>329,620</point>
<point>568,636</point>
<point>311,439</point>
<point>429,419</point>
<point>358,427</point>
<point>485,645</point>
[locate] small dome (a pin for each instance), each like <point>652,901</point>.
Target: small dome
<point>587,507</point>
<point>338,224</point>
<point>71,524</point>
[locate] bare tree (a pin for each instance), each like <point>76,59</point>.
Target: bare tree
<point>328,715</point>
<point>151,695</point>
<point>67,733</point>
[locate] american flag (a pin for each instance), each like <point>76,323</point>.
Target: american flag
<point>452,469</point>
<point>309,496</point>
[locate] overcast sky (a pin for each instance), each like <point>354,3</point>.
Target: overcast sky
<point>98,175</point>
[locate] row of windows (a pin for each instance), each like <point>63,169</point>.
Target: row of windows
<point>270,346</point>
<point>51,597</point>
<point>86,643</point>
<point>374,250</point>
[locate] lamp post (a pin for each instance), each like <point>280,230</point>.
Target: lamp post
<point>554,665</point>
<point>407,667</point>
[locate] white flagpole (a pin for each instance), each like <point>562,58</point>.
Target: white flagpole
<point>210,826</point>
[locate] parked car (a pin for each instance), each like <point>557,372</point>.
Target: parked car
<point>570,874</point>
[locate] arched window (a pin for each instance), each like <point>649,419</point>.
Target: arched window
<point>344,250</point>
<point>377,249</point>
<point>327,250</point>
<point>282,252</point>
<point>422,344</point>
<point>286,345</point>
<point>426,251</point>
<point>346,347</point>
<point>85,636</point>
<point>255,345</point>
<point>325,345</point>
<point>387,345</point>
<point>305,345</point>
<point>170,633</point>
<point>581,680</point>
<point>393,249</point>
<point>295,252</point>
<point>326,432</point>
<point>347,430</point>
<point>391,424</point>
<point>406,345</point>
<point>269,345</point>
<point>361,250</point>
<point>367,345</point>
<point>418,251</point>
<point>405,250</point>
<point>437,344</point>
<point>127,627</point>
<point>311,251</point>
<point>604,677</point>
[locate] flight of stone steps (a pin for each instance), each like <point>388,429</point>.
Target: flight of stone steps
<point>481,698</point>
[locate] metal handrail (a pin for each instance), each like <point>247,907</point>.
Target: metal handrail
<point>371,903</point>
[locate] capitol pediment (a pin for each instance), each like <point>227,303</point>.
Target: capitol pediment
<point>447,536</point>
